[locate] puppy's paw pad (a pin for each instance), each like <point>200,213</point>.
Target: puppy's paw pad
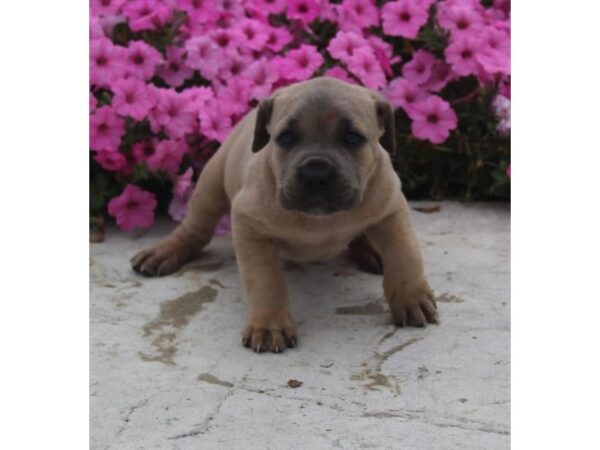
<point>274,340</point>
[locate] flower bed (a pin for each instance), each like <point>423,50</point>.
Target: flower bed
<point>169,79</point>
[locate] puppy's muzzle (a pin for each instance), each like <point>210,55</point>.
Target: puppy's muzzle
<point>316,175</point>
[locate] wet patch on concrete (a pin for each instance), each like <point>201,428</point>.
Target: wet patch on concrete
<point>374,307</point>
<point>174,314</point>
<point>372,369</point>
<point>211,379</point>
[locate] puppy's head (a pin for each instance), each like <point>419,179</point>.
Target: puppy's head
<point>325,137</point>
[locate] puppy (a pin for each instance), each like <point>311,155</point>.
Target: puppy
<point>305,175</point>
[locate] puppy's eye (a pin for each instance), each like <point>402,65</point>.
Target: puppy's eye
<point>353,138</point>
<point>286,139</point>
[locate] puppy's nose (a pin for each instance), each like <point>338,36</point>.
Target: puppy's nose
<point>316,173</point>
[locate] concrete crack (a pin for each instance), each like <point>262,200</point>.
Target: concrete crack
<point>130,413</point>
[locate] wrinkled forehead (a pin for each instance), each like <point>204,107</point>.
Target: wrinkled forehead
<point>322,111</point>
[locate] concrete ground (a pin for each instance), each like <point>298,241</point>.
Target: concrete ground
<point>168,370</point>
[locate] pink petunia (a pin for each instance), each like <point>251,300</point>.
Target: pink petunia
<point>106,129</point>
<point>461,54</point>
<point>255,34</point>
<point>418,69</point>
<point>204,55</point>
<point>132,98</point>
<point>93,102</point>
<point>403,94</point>
<point>146,14</point>
<point>198,96</point>
<point>262,75</point>
<point>167,156</point>
<point>501,106</point>
<point>365,65</point>
<point>384,53</point>
<point>460,18</point>
<point>105,7</point>
<point>174,70</point>
<point>113,161</point>
<point>141,60</point>
<point>344,44</point>
<point>233,67</point>
<point>301,63</point>
<point>227,40</point>
<point>213,123</point>
<point>174,113</point>
<point>404,17</point>
<point>199,11</point>
<point>106,62</point>
<point>143,150</point>
<point>441,74</point>
<point>268,6</point>
<point>230,8</point>
<point>277,38</point>
<point>134,208</point>
<point>361,13</point>
<point>304,11</point>
<point>234,95</point>
<point>433,119</point>
<point>182,191</point>
<point>494,55</point>
<point>340,74</point>
<point>223,226</point>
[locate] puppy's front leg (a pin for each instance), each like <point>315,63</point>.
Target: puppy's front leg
<point>269,326</point>
<point>406,289</point>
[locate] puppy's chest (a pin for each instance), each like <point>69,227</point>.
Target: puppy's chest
<point>312,247</point>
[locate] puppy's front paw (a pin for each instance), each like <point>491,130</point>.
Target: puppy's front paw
<point>162,259</point>
<point>413,304</point>
<point>272,333</point>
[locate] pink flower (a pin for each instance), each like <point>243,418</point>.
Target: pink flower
<point>494,55</point>
<point>167,156</point>
<point>113,161</point>
<point>233,66</point>
<point>255,34</point>
<point>462,54</point>
<point>141,151</point>
<point>366,67</point>
<point>404,94</point>
<point>508,171</point>
<point>340,74</point>
<point>418,70</point>
<point>106,62</point>
<point>224,226</point>
<point>204,55</point>
<point>234,95</point>
<point>440,76</point>
<point>262,76</point>
<point>142,60</point>
<point>384,53</point>
<point>146,14</point>
<point>277,38</point>
<point>301,63</point>
<point>173,70</point>
<point>344,44</point>
<point>93,102</point>
<point>132,98</point>
<point>268,6</point>
<point>174,113</point>
<point>198,96</point>
<point>433,119</point>
<point>460,18</point>
<point>199,11</point>
<point>213,123</point>
<point>227,40</point>
<point>106,129</point>
<point>501,106</point>
<point>362,13</point>
<point>105,7</point>
<point>404,17</point>
<point>134,208</point>
<point>182,191</point>
<point>303,10</point>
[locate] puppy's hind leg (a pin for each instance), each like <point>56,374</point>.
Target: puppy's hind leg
<point>365,255</point>
<point>207,205</point>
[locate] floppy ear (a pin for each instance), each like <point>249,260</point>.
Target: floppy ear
<point>385,117</point>
<point>263,117</point>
